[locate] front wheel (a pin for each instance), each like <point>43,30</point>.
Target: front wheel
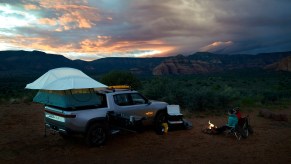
<point>96,135</point>
<point>161,117</point>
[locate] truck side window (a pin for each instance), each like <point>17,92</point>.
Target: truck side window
<point>122,99</point>
<point>103,100</point>
<point>138,99</point>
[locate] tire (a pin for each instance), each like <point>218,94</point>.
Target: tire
<point>96,135</point>
<point>161,117</point>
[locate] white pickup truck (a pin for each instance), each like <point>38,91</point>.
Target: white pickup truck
<point>117,109</point>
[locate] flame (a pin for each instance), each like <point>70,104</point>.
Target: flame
<point>211,125</point>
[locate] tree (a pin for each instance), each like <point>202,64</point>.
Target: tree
<point>121,78</point>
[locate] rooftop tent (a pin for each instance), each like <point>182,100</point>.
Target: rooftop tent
<point>69,98</point>
<point>64,79</point>
<point>66,87</point>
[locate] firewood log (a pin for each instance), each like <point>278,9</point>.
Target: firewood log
<point>265,113</point>
<point>271,115</point>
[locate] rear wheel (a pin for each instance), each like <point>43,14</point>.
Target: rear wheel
<point>96,135</point>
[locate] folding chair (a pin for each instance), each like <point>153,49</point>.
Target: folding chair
<point>241,130</point>
<point>174,115</point>
<point>234,131</point>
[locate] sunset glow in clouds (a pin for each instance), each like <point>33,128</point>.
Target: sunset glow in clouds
<point>91,29</point>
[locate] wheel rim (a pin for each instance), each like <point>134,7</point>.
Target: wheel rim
<point>98,136</point>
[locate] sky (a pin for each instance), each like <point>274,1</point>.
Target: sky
<point>92,29</point>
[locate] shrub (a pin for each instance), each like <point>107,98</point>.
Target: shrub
<point>121,78</point>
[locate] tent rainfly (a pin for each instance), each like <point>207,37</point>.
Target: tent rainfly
<point>66,88</point>
<point>64,79</point>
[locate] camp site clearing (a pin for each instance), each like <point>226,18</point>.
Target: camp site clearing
<point>22,141</point>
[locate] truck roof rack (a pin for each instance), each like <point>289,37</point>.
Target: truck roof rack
<point>119,88</point>
<point>115,88</point>
<point>126,87</point>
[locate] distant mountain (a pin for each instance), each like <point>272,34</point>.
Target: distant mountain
<point>184,65</point>
<point>36,62</point>
<point>14,63</point>
<point>282,65</point>
<point>208,62</point>
<point>135,65</point>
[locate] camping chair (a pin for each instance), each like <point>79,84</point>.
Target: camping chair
<point>234,131</point>
<point>175,117</point>
<point>242,129</point>
<point>245,127</point>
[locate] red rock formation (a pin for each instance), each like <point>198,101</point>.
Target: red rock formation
<point>285,64</point>
<point>282,65</point>
<point>182,65</point>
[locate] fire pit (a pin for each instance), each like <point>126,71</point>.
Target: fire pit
<point>210,129</point>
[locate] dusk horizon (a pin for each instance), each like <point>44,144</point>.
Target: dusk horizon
<point>172,55</point>
<point>145,81</point>
<point>90,30</point>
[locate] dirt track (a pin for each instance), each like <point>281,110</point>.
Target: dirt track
<point>22,141</point>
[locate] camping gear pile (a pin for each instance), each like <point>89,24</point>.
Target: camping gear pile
<point>174,120</point>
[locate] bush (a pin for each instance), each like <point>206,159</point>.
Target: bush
<point>270,97</point>
<point>121,78</point>
<point>190,95</point>
<point>220,91</point>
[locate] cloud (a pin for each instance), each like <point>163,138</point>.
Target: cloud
<point>93,48</point>
<point>69,15</point>
<point>11,17</point>
<point>217,46</point>
<point>31,7</point>
<point>146,27</point>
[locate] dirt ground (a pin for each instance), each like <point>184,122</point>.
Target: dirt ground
<point>22,141</point>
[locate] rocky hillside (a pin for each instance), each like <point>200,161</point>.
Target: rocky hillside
<point>208,62</point>
<point>183,65</point>
<point>25,63</point>
<point>36,62</point>
<point>282,65</point>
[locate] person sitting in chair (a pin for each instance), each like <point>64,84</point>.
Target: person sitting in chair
<point>232,122</point>
<point>237,113</point>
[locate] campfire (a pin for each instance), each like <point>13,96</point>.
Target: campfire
<point>211,126</point>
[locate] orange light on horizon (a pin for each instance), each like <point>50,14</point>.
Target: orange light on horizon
<point>90,49</point>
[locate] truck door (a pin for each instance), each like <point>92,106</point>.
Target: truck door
<point>132,104</point>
